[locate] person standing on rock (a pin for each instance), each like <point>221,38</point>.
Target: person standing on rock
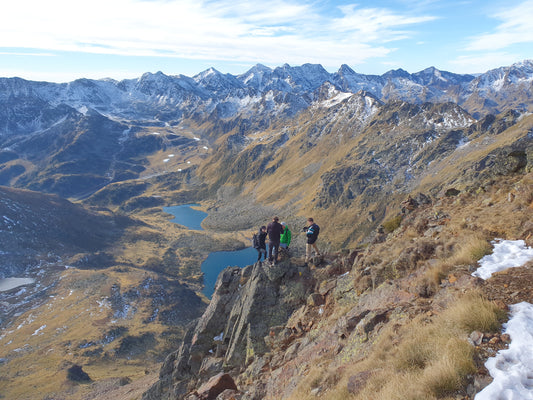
<point>274,230</point>
<point>311,231</point>
<point>259,242</point>
<point>285,239</point>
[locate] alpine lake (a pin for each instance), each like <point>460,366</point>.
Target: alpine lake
<point>216,261</point>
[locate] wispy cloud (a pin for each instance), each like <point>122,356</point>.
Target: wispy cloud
<point>373,24</point>
<point>26,54</point>
<point>270,32</point>
<point>477,63</point>
<point>514,28</point>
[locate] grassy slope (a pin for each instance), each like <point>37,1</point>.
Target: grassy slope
<point>420,280</point>
<point>290,179</point>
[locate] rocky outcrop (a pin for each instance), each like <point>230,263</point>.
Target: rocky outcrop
<point>247,305</point>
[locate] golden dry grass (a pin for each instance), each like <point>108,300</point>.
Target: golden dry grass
<point>42,343</point>
<point>470,250</point>
<point>425,359</point>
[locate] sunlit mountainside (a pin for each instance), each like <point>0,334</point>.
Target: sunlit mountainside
<point>88,166</point>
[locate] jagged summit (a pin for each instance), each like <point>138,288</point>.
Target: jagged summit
<point>345,69</point>
<point>396,73</point>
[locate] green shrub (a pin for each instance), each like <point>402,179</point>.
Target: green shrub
<point>392,224</point>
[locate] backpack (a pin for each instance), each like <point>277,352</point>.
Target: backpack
<point>313,231</point>
<point>255,241</point>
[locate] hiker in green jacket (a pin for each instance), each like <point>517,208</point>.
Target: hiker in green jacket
<point>285,238</point>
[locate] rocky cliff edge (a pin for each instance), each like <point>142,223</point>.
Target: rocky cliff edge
<point>249,309</point>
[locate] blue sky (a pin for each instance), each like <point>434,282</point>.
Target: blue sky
<point>62,40</point>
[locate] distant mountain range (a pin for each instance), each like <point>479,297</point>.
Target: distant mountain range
<point>285,90</point>
<point>74,138</point>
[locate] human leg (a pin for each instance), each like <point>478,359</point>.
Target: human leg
<point>276,251</point>
<point>308,248</point>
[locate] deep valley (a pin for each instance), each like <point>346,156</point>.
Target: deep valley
<point>86,168</point>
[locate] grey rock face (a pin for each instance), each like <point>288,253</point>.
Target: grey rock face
<point>230,335</point>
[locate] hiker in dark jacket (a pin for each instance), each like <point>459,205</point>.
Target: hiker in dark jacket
<point>260,243</point>
<point>311,230</point>
<point>274,230</point>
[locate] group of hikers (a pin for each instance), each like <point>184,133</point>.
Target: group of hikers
<point>279,236</point>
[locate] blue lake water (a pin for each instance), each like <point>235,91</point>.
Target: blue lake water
<point>217,261</point>
<point>186,216</point>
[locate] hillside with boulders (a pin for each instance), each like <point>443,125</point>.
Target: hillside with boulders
<point>399,318</point>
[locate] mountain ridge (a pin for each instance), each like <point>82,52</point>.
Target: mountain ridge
<point>109,96</point>
<point>288,141</point>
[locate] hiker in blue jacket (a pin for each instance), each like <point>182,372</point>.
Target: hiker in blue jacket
<point>311,231</point>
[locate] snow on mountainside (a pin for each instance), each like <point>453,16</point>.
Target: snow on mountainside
<point>497,79</point>
<point>285,90</point>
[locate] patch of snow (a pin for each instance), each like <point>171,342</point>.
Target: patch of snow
<point>197,139</point>
<point>462,143</point>
<point>506,254</point>
<point>512,369</point>
<point>166,160</point>
<point>156,133</point>
<point>219,338</point>
<point>206,148</point>
<point>104,303</point>
<point>39,331</point>
<point>170,155</point>
<point>336,100</point>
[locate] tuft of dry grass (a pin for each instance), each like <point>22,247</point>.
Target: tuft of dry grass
<point>474,312</point>
<point>447,373</point>
<point>471,249</point>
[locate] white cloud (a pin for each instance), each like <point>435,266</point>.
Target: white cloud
<point>477,63</point>
<point>371,24</point>
<point>269,32</point>
<point>515,27</point>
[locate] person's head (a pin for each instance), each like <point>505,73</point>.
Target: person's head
<point>284,224</point>
<point>263,228</point>
<point>310,221</point>
<point>275,219</point>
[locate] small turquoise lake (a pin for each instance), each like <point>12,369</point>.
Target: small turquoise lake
<point>217,261</point>
<point>187,216</point>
